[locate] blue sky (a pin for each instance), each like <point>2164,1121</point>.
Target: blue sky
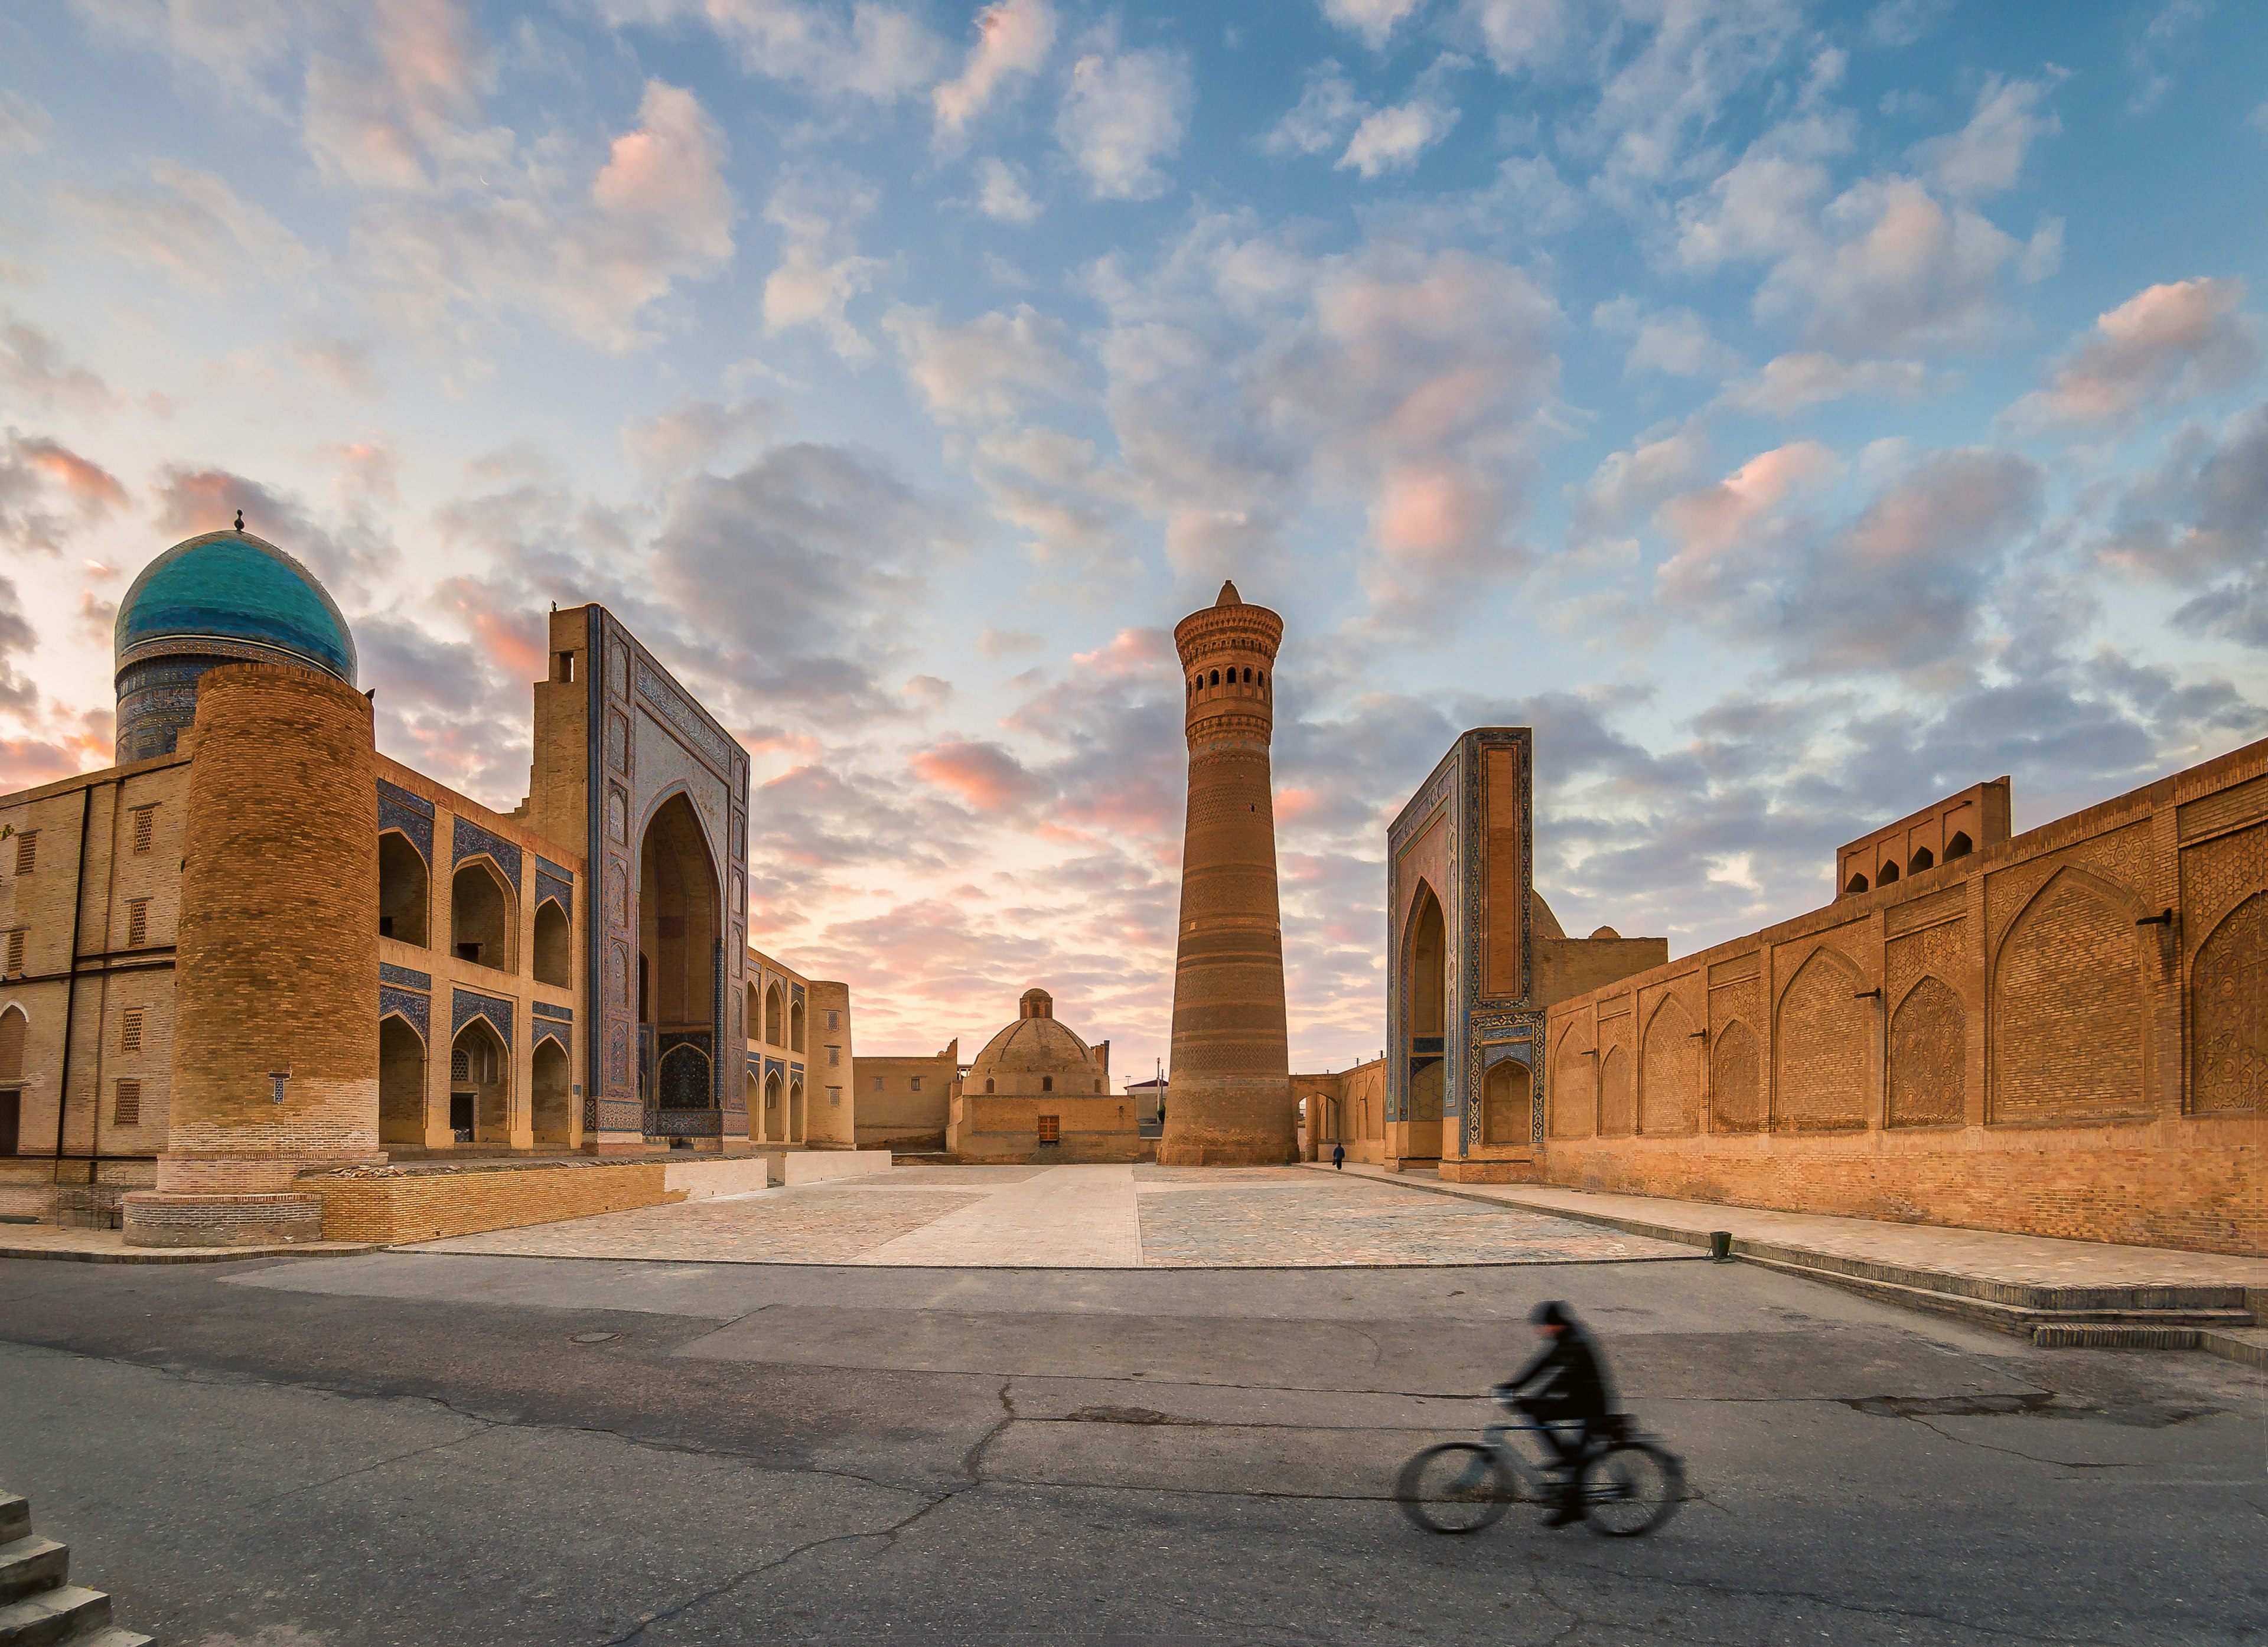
<point>1793,412</point>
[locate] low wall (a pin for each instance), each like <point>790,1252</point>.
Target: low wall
<point>699,1181</point>
<point>2192,1185</point>
<point>816,1166</point>
<point>427,1201</point>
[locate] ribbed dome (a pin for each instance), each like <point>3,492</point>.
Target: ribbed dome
<point>220,599</point>
<point>233,589</point>
<point>1035,1044</point>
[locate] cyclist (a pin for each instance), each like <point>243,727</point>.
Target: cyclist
<point>1572,1386</point>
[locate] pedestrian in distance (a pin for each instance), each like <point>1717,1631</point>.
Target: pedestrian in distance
<point>1339,1157</point>
<point>1570,1384</point>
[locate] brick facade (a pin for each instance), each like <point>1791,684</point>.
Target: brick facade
<point>2064,1033</point>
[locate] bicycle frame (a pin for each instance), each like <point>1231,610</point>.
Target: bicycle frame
<point>1527,1470</point>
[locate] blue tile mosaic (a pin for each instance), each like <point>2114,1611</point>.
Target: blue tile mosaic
<point>471,840</point>
<point>544,1009</point>
<point>558,872</point>
<point>412,814</point>
<point>465,1006</point>
<point>551,887</point>
<point>547,1030</point>
<point>415,1009</point>
<point>388,973</point>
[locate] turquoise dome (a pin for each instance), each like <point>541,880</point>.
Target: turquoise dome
<point>228,595</point>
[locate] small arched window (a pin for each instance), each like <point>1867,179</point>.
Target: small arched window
<point>1958,847</point>
<point>1858,884</point>
<point>1216,678</point>
<point>1247,677</point>
<point>1047,1084</point>
<point>1263,680</point>
<point>1922,860</point>
<point>988,1087</point>
<point>1889,873</point>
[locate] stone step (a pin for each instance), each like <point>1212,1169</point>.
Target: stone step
<point>15,1517</point>
<point>2025,1320</point>
<point>111,1636</point>
<point>61,1614</point>
<point>30,1564</point>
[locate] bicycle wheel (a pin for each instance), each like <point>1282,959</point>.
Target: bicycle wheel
<point>1458,1487</point>
<point>1632,1488</point>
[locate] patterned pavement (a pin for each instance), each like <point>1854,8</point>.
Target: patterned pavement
<point>1081,1216</point>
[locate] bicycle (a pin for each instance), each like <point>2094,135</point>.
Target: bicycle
<point>1629,1485</point>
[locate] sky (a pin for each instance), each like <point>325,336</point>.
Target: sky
<point>1795,413</point>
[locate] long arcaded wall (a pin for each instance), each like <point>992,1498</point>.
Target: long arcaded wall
<point>2065,1035</point>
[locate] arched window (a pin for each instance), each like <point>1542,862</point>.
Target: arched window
<point>554,950</point>
<point>1247,677</point>
<point>1216,678</point>
<point>12,1027</point>
<point>480,1078</point>
<point>1858,884</point>
<point>401,1082</point>
<point>775,1016</point>
<point>1889,873</point>
<point>988,1087</point>
<point>1922,860</point>
<point>1047,1084</point>
<point>402,894</point>
<point>795,1027</point>
<point>481,924</point>
<point>1960,846</point>
<point>1263,680</point>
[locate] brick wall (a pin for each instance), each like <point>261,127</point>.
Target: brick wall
<point>391,1206</point>
<point>2020,1040</point>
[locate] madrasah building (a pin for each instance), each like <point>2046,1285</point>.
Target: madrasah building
<point>255,945</point>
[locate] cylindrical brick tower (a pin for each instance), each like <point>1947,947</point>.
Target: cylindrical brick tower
<point>1229,1099</point>
<point>275,1057</point>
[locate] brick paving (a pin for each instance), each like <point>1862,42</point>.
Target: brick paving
<point>1078,1217</point>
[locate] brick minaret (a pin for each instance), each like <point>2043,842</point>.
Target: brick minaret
<point>275,1064</point>
<point>1229,1099</point>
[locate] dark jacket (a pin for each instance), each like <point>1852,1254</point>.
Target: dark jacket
<point>1571,1379</point>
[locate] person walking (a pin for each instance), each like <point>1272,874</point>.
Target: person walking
<point>1339,1157</point>
<point>1570,1384</point>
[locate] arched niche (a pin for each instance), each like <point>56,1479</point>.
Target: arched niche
<point>400,1083</point>
<point>550,1099</point>
<point>680,933</point>
<point>480,1085</point>
<point>1504,1103</point>
<point>555,945</point>
<point>404,889</point>
<point>774,1016</point>
<point>484,922</point>
<point>1669,1086</point>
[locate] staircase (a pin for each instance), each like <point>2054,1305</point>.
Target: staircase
<point>39,1605</point>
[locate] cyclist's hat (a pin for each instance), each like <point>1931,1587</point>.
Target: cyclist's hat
<point>1550,1313</point>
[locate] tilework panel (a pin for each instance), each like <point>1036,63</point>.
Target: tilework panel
<point>545,1029</point>
<point>558,872</point>
<point>388,973</point>
<point>465,1006</point>
<point>470,839</point>
<point>544,1009</point>
<point>413,1006</point>
<point>412,814</point>
<point>551,887</point>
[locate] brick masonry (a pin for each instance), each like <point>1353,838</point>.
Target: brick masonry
<point>2064,1033</point>
<point>390,1206</point>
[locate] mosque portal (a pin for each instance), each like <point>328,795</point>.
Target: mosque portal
<point>680,957</point>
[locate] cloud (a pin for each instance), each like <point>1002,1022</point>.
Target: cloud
<point>995,645</point>
<point>1719,528</point>
<point>988,370</point>
<point>393,98</point>
<point>1326,114</point>
<point>1988,155</point>
<point>24,124</point>
<point>694,433</point>
<point>820,270</point>
<point>2202,513</point>
<point>2164,345</point>
<point>983,775</point>
<point>1013,38</point>
<point>1788,383</point>
<point>191,224</point>
<point>1391,139</point>
<point>1676,342</point>
<point>879,53</point>
<point>1627,483</point>
<point>1371,19</point>
<point>1124,113</point>
<point>1521,35</point>
<point>47,491</point>
<point>35,372</point>
<point>238,39</point>
<point>589,253</point>
<point>1002,194</point>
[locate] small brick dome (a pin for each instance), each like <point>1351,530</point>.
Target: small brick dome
<point>1035,1044</point>
<point>226,597</point>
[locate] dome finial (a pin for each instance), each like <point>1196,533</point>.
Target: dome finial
<point>1228,595</point>
<point>239,520</point>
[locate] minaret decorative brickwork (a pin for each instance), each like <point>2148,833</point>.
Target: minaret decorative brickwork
<point>1229,1096</point>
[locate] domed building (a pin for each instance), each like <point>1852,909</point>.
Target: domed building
<point>300,959</point>
<point>226,597</point>
<point>1037,1092</point>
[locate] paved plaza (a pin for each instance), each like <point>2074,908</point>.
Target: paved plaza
<point>1081,1217</point>
<point>1183,1429</point>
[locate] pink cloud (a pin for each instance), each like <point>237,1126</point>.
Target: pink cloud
<point>984,774</point>
<point>2165,344</point>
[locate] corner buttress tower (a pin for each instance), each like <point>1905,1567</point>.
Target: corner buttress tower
<point>1229,1096</point>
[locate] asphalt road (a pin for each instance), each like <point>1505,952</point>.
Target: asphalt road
<point>442,1449</point>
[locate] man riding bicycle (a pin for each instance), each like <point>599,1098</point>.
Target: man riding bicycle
<point>1571,1386</point>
